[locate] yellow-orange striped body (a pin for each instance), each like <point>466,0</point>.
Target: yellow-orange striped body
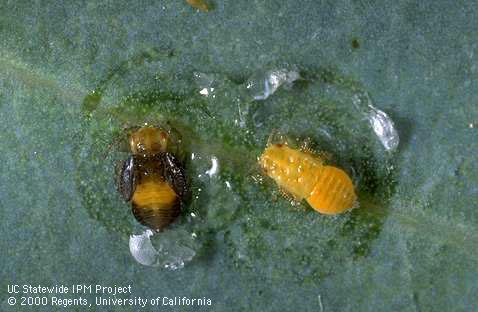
<point>327,189</point>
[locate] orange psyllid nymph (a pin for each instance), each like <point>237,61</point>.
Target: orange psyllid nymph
<point>327,189</point>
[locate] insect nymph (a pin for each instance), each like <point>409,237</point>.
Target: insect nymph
<point>152,179</point>
<point>327,189</point>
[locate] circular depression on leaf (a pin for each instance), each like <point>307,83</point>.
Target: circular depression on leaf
<point>232,207</point>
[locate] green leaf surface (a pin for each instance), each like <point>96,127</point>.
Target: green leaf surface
<point>74,74</point>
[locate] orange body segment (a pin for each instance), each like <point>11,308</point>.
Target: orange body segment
<point>327,189</point>
<point>334,192</point>
<point>293,170</point>
<point>154,195</point>
<point>199,4</point>
<point>154,203</point>
<point>148,141</point>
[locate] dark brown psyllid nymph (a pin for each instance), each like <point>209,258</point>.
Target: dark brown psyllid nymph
<point>152,179</point>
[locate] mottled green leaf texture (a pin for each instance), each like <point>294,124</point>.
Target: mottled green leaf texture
<point>76,75</point>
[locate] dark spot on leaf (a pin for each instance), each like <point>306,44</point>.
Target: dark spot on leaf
<point>91,101</point>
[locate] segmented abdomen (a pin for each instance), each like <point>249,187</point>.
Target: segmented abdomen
<point>333,193</point>
<point>327,189</point>
<point>155,204</point>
